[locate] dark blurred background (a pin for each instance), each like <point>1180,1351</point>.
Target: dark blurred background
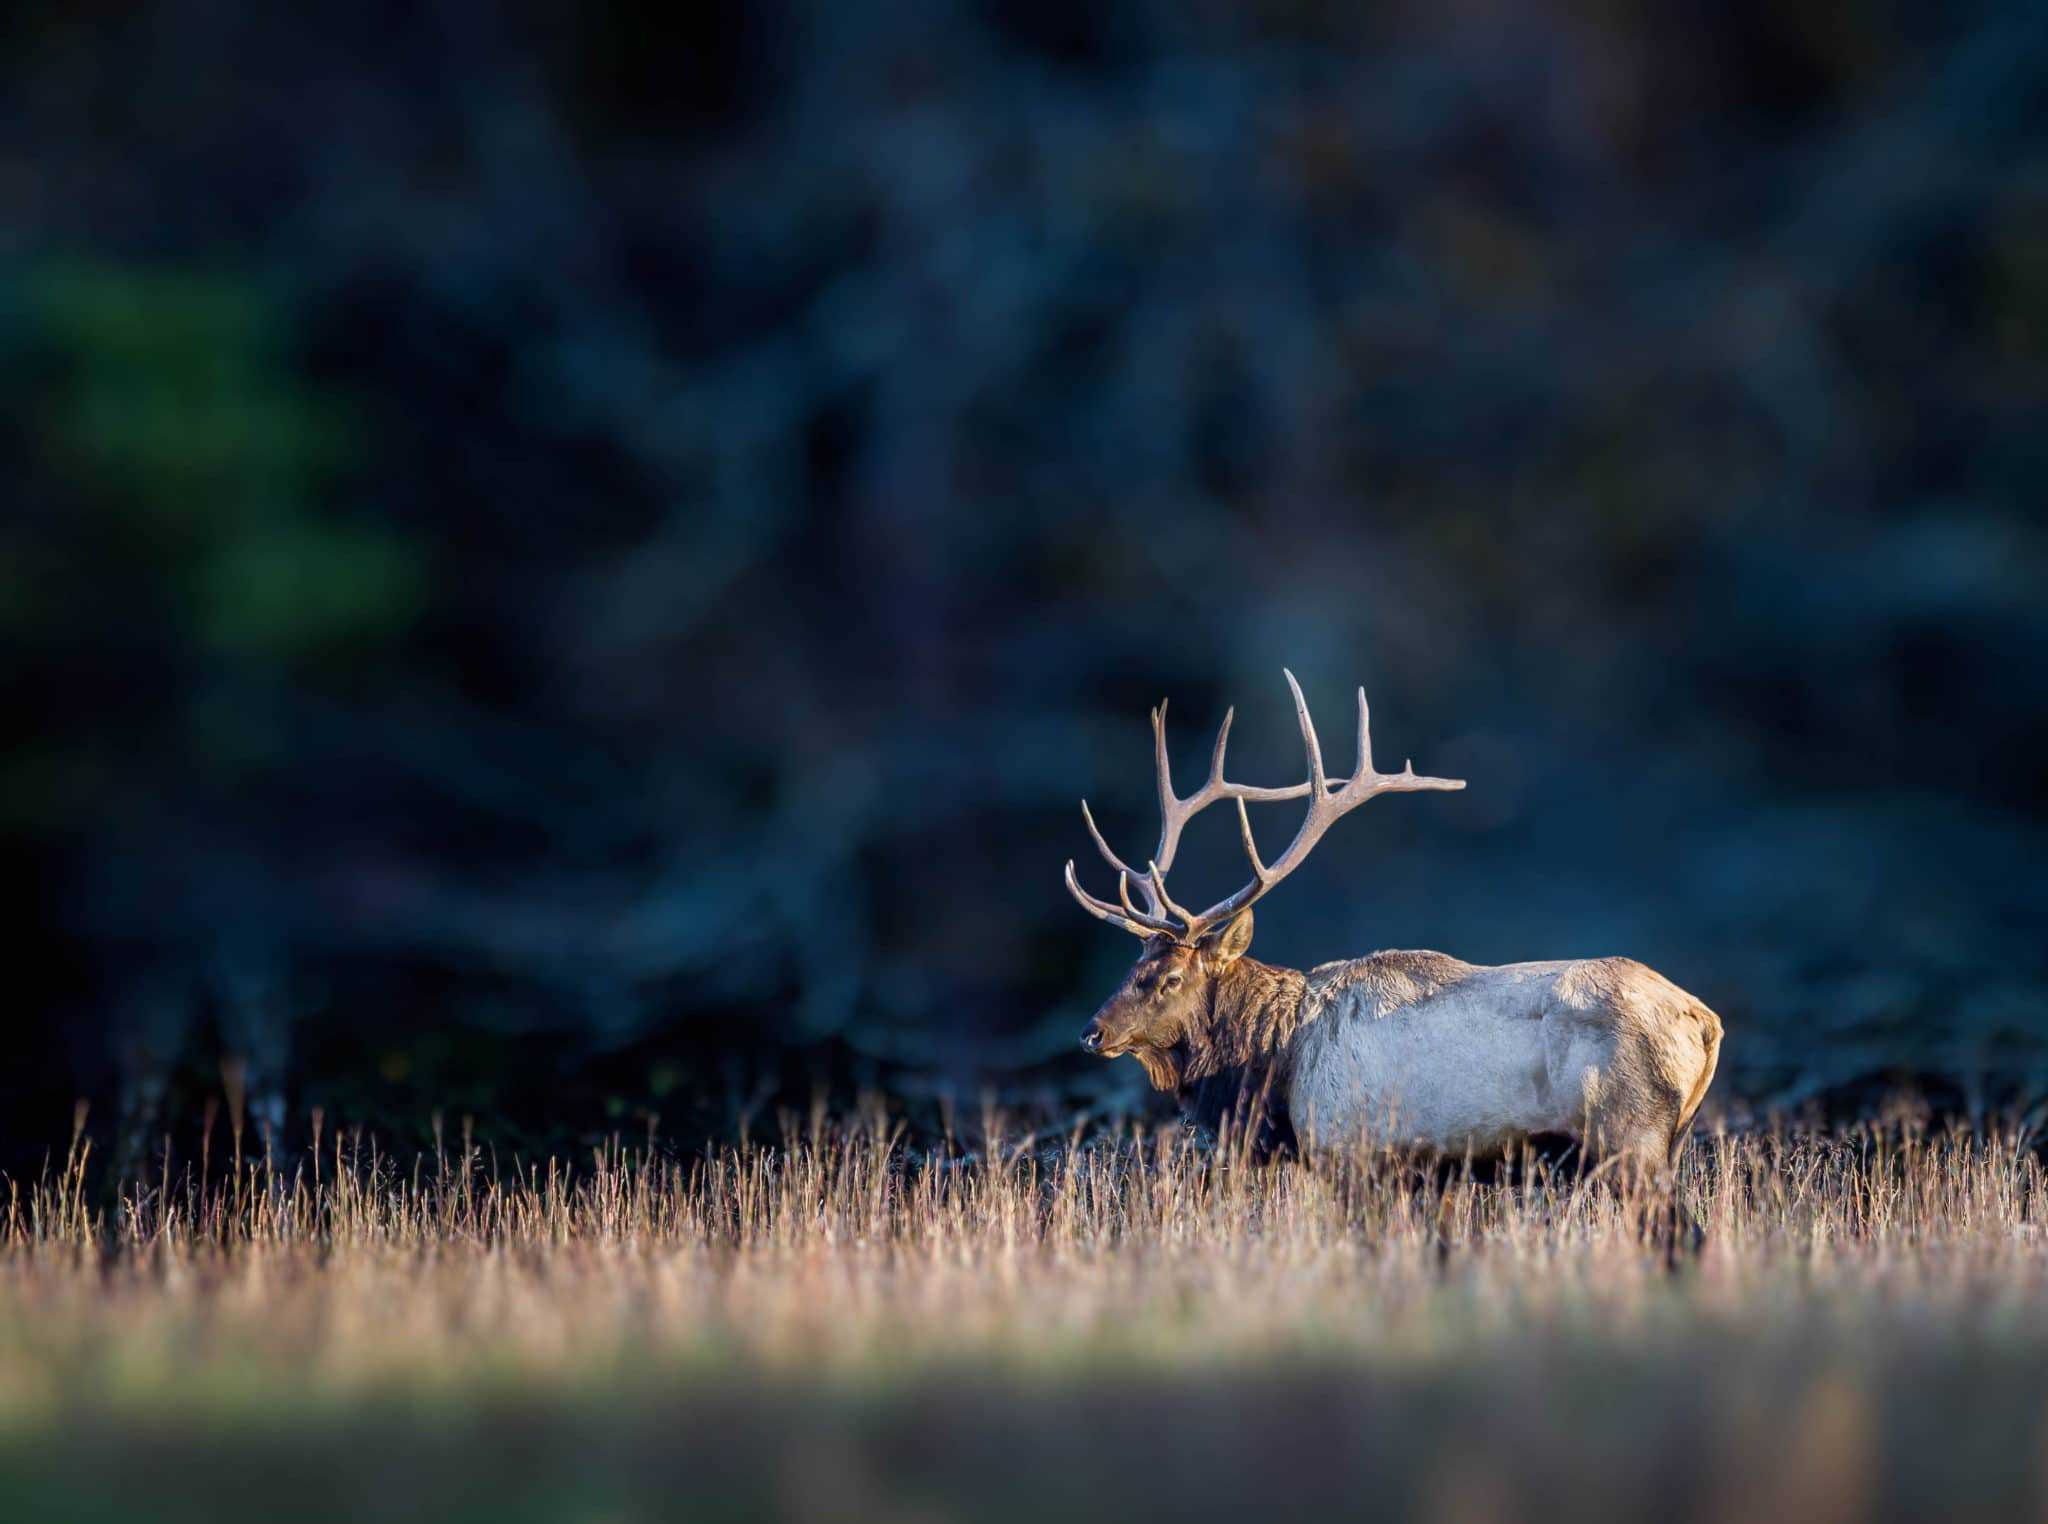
<point>573,564</point>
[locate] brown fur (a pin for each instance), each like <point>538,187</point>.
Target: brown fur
<point>1393,978</point>
<point>1189,1013</point>
<point>1234,1072</point>
<point>1212,1028</point>
<point>1254,1009</point>
<point>1203,1014</point>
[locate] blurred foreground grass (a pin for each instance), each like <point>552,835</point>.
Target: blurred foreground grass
<point>829,1326</point>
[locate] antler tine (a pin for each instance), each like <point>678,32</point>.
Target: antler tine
<point>1364,737</point>
<point>1222,740</point>
<point>1174,812</point>
<point>1097,908</point>
<point>1101,846</point>
<point>1158,875</point>
<point>1136,922</point>
<point>1251,847</point>
<point>1143,918</point>
<point>1160,765</point>
<point>1171,818</point>
<point>1308,739</point>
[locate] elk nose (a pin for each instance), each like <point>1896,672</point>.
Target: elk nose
<point>1091,1039</point>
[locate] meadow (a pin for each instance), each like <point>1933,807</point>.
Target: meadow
<point>831,1323</point>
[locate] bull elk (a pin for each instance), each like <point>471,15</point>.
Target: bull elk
<point>1408,1047</point>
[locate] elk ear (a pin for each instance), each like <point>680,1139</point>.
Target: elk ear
<point>1232,941</point>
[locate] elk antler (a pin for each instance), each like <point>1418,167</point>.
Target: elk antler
<point>1327,804</point>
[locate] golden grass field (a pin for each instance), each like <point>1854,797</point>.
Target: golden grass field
<point>830,1325</point>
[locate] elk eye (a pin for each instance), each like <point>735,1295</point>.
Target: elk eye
<point>1172,981</point>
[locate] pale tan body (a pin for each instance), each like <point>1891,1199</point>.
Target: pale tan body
<point>1420,1048</point>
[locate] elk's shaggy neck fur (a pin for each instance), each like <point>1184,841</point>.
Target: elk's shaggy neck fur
<point>1232,1064</point>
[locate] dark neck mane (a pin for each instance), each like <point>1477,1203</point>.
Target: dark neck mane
<point>1253,1011</point>
<point>1234,1068</point>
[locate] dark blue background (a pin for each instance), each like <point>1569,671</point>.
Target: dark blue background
<point>574,566</point>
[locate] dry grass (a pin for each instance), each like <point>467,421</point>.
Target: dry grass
<point>826,1324</point>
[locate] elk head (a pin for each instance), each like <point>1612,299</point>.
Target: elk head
<point>1164,1002</point>
<point>1172,987</point>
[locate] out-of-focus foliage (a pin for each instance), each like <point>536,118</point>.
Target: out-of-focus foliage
<point>174,411</point>
<point>588,557</point>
